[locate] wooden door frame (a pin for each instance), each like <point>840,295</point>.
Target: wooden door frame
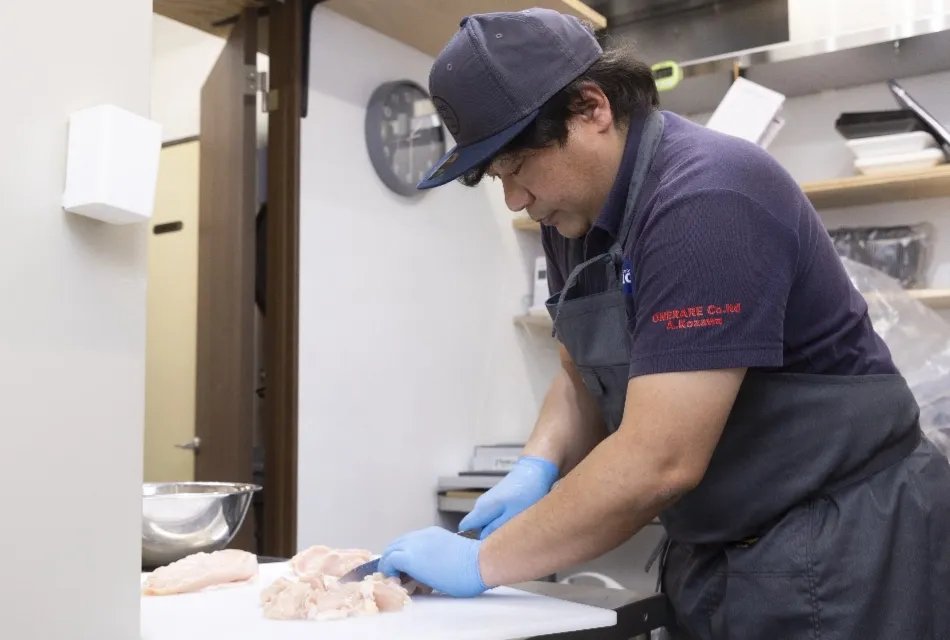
<point>286,48</point>
<point>224,370</point>
<point>284,27</point>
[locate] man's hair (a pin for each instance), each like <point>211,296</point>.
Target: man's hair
<point>627,82</point>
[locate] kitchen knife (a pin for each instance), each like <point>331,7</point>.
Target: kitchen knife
<point>371,567</point>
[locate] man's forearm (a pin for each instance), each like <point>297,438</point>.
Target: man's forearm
<point>660,452</point>
<point>603,502</point>
<point>569,425</point>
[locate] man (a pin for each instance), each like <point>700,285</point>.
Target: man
<point>719,370</point>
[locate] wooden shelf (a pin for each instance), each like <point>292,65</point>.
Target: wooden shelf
<point>853,191</point>
<point>525,223</point>
<point>861,190</point>
<point>535,321</point>
<point>205,14</point>
<point>932,298</point>
<point>425,25</point>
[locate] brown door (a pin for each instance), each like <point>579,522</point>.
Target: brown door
<point>225,377</point>
<point>171,318</point>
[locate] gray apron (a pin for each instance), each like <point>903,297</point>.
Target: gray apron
<point>824,513</point>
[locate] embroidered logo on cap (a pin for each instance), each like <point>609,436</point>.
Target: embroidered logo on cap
<point>447,113</point>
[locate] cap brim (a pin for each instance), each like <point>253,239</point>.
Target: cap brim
<point>462,159</point>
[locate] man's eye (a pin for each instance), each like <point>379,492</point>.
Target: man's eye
<point>517,169</point>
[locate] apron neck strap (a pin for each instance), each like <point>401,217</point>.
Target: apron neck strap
<point>650,137</point>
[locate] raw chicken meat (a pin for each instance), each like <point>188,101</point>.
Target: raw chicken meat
<point>321,560</point>
<point>286,599</point>
<point>389,594</point>
<point>328,599</point>
<point>317,593</point>
<point>201,570</point>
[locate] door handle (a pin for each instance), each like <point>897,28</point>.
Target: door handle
<point>194,445</point>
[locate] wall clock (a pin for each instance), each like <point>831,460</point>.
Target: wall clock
<point>404,135</point>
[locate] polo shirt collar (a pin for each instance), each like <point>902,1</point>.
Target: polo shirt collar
<point>611,215</point>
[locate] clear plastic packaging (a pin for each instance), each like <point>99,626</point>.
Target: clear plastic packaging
<point>902,252</point>
<point>919,341</point>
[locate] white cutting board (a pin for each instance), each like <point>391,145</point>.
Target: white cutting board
<point>234,613</point>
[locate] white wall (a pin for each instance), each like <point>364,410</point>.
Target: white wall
<point>72,337</point>
<point>182,56</point>
<point>408,356</point>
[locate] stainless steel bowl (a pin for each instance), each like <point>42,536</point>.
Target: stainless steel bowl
<point>182,518</point>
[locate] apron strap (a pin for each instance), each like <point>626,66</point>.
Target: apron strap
<point>612,281</point>
<point>659,553</point>
<point>650,136</point>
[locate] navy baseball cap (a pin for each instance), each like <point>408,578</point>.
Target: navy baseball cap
<point>494,75</point>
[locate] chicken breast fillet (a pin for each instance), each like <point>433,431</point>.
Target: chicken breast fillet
<point>201,570</point>
<point>321,560</point>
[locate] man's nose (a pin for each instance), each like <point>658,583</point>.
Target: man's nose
<point>516,196</point>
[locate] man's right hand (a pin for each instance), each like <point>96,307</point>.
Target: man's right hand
<point>529,481</point>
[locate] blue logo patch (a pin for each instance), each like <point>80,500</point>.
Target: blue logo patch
<point>626,274</point>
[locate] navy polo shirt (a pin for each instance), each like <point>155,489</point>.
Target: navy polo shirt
<point>731,264</point>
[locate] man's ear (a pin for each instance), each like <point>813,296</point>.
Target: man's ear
<point>593,107</point>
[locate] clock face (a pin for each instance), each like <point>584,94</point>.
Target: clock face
<point>404,135</point>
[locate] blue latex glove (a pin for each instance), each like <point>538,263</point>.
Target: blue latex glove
<point>438,558</point>
<point>529,480</point>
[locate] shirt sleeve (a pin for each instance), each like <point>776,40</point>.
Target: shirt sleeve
<point>712,270</point>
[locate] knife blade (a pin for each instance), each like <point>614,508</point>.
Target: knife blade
<point>371,567</point>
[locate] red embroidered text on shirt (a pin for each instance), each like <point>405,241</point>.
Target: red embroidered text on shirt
<point>693,317</point>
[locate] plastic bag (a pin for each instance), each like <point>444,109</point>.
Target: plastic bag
<point>903,252</point>
<point>919,341</point>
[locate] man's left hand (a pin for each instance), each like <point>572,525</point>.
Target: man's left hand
<point>436,557</point>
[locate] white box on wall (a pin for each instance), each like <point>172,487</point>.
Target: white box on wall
<point>112,165</point>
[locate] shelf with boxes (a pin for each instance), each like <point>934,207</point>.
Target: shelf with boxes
<point>851,191</point>
<point>937,299</point>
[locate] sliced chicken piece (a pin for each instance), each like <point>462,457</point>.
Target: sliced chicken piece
<point>289,602</point>
<point>309,561</point>
<point>340,563</point>
<point>201,570</point>
<point>388,593</point>
<point>270,593</point>
<point>319,581</point>
<point>323,560</point>
<point>343,601</point>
